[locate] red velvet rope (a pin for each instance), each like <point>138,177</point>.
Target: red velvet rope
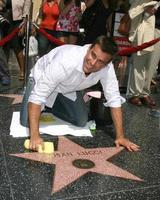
<point>123,52</point>
<point>4,40</point>
<point>130,50</point>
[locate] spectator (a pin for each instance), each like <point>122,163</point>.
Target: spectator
<point>47,19</point>
<point>17,12</point>
<point>68,23</point>
<point>142,30</point>
<point>94,19</point>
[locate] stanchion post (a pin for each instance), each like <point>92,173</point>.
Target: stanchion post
<point>27,34</point>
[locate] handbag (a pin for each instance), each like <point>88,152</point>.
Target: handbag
<point>125,24</point>
<point>33,46</point>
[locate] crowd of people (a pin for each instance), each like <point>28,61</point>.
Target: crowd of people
<point>61,74</point>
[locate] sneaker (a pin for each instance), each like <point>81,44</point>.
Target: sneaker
<point>5,81</point>
<point>91,125</point>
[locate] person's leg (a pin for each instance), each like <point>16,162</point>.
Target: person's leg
<point>4,70</point>
<point>63,36</point>
<point>155,56</point>
<point>24,105</point>
<point>74,112</point>
<point>72,39</point>
<point>137,76</point>
<point>21,62</point>
<point>146,99</point>
<point>52,44</point>
<point>148,75</point>
<point>43,44</point>
<point>137,80</point>
<point>16,44</point>
<point>64,39</point>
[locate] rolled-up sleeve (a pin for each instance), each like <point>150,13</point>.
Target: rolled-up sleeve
<point>138,7</point>
<point>111,88</point>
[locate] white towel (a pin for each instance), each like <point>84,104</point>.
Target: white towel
<point>56,127</point>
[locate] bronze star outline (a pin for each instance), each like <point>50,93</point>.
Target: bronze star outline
<point>17,97</point>
<point>68,151</point>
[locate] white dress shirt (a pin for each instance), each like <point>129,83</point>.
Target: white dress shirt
<point>61,71</point>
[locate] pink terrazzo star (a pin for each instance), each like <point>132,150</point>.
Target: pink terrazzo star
<point>69,152</point>
<point>17,97</point>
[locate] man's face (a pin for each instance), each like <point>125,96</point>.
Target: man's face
<point>95,60</point>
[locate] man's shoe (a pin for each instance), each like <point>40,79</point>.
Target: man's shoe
<point>5,81</point>
<point>135,101</point>
<point>148,101</point>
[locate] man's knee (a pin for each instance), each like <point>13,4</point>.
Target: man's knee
<point>81,122</point>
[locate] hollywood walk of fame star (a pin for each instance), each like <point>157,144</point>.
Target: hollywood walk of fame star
<point>71,155</point>
<point>17,97</point>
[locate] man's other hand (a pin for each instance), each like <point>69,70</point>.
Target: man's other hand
<point>127,144</point>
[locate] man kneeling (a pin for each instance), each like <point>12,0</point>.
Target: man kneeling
<point>59,77</point>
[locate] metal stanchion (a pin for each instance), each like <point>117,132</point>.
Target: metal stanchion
<point>27,34</point>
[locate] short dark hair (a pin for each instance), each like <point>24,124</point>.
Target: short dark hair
<point>106,44</point>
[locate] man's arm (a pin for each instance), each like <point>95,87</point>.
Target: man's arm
<point>118,124</point>
<point>34,111</point>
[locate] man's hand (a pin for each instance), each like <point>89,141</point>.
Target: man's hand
<point>120,139</point>
<point>127,144</point>
<point>35,142</point>
<point>150,10</point>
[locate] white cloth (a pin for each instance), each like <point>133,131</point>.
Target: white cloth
<point>61,71</point>
<point>55,127</point>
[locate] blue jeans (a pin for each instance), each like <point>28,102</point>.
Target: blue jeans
<point>4,70</point>
<point>24,105</point>
<point>74,112</point>
<point>44,45</point>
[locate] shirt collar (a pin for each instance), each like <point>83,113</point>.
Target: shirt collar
<point>82,55</point>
